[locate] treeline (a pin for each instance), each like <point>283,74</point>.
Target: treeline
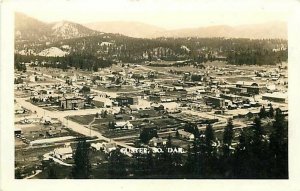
<point>201,50</point>
<point>78,61</point>
<point>257,57</point>
<point>260,153</point>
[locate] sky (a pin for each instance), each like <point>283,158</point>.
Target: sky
<point>168,14</point>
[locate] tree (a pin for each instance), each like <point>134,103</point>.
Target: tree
<point>262,113</point>
<point>111,125</point>
<point>209,153</point>
<point>82,166</point>
<point>228,133</point>
<point>147,134</point>
<point>52,173</point>
<point>209,137</point>
<point>279,147</point>
<point>18,174</point>
<point>258,130</point>
<point>85,89</point>
<point>104,113</point>
<point>169,141</point>
<point>226,158</point>
<point>271,112</point>
<point>258,150</point>
<point>117,164</point>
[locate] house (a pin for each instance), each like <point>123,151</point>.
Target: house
<point>52,132</point>
<point>118,116</point>
<point>124,125</point>
<point>47,92</point>
<point>63,153</point>
<point>97,146</point>
<point>179,88</point>
<point>67,102</point>
<point>158,107</point>
<point>106,147</point>
<point>157,142</point>
<point>134,108</point>
<point>109,147</point>
<point>18,131</point>
<point>46,120</point>
<point>186,135</point>
<point>19,109</point>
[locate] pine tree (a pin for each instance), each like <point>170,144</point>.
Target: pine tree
<point>209,154</point>
<point>258,150</point>
<point>82,166</point>
<point>169,142</point>
<point>279,147</point>
<point>226,158</point>
<point>52,173</point>
<point>271,112</point>
<point>262,113</point>
<point>209,138</point>
<point>228,133</point>
<point>117,164</point>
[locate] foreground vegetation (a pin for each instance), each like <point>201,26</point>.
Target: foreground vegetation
<point>259,154</point>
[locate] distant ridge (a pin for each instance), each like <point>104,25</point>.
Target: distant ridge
<point>142,30</point>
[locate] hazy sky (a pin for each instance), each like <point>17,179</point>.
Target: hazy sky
<point>169,14</point>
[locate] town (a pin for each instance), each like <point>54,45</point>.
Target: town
<point>130,105</point>
<point>95,105</point>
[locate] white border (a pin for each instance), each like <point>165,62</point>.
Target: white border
<point>8,182</point>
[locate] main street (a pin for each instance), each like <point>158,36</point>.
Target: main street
<point>40,112</point>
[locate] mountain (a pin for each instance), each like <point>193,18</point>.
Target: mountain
<point>141,30</point>
<point>257,31</point>
<point>131,29</point>
<point>28,29</point>
<point>67,30</point>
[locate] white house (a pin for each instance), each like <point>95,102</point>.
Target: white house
<point>186,135</point>
<point>124,125</point>
<point>98,146</point>
<point>157,141</point>
<point>63,153</point>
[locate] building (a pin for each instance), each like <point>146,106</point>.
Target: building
<point>19,109</point>
<point>106,147</point>
<point>276,97</point>
<point>124,101</point>
<point>63,153</point>
<point>109,147</point>
<point>186,135</point>
<point>71,102</point>
<point>18,131</point>
<point>123,125</point>
<point>231,97</point>
<point>241,84</point>
<point>236,90</point>
<point>252,90</point>
<point>157,142</point>
<point>102,102</point>
<point>215,101</point>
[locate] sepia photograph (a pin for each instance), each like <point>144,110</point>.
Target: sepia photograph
<point>149,89</point>
<point>130,99</point>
